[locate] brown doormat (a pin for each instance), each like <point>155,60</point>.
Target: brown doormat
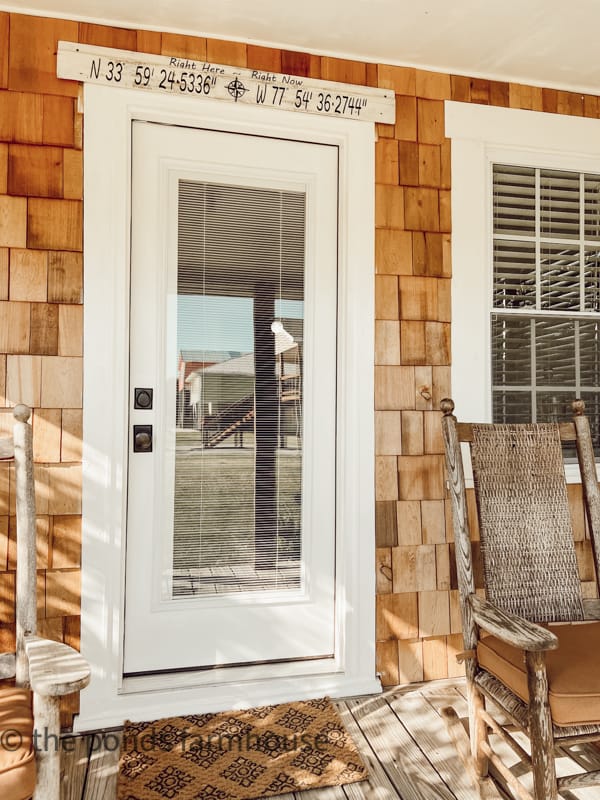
<point>238,755</point>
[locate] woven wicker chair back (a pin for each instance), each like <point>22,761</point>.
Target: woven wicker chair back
<point>529,561</point>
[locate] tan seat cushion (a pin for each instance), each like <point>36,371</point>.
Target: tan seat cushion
<point>573,671</point>
<point>17,757</point>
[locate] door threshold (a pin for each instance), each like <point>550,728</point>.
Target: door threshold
<point>227,675</point>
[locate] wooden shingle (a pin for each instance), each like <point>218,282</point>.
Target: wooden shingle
<point>394,388</point>
<point>220,51</point>
<point>413,569</point>
<point>421,209</point>
<point>386,478</point>
<point>386,297</point>
<point>4,251</point>
<point>176,44</point>
<point>3,168</point>
<point>386,525</point>
<point>13,221</point>
<point>409,522</point>
<point>14,328</point>
<point>435,661</point>
<point>396,616</point>
<point>412,433</point>
<point>343,70</point>
<point>427,253</point>
<point>424,388</point>
<point>70,330</point>
<point>387,662</point>
<point>72,434</point>
<point>54,224</point>
<point>46,435</point>
<point>499,94</point>
<point>28,275</point>
<point>4,28</point>
<point>430,121</point>
<point>410,661</point>
<point>460,88</point>
<point>63,593</point>
<point>107,36</point>
<point>432,431</point>
<point>23,385</point>
<point>418,298</point>
<point>421,477</point>
<point>388,437</point>
<point>387,342</point>
<point>386,161</point>
<point>430,166</point>
<point>21,117</point>
<point>64,485</point>
<point>58,121</point>
<point>33,69</point>
<point>480,91</point>
<point>406,118</point>
<point>66,542</point>
<point>434,613</point>
<point>433,85</point>
<point>408,163</point>
<point>433,518</point>
<point>72,175</point>
<point>43,338</point>
<point>266,59</point>
<point>401,79</point>
<point>65,277</point>
<point>393,252</point>
<point>148,41</point>
<point>412,342</point>
<point>306,65</point>
<point>389,206</point>
<point>61,385</point>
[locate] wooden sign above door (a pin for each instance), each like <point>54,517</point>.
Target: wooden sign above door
<point>200,79</point>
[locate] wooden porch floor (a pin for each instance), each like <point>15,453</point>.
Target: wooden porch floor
<point>400,734</point>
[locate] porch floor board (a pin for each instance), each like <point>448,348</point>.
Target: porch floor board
<point>399,733</point>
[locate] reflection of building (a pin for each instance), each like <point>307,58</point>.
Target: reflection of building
<point>220,396</point>
<point>189,361</point>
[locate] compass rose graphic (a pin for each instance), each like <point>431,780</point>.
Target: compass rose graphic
<point>236,89</point>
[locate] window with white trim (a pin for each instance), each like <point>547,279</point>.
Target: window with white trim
<point>545,320</point>
<point>526,263</point>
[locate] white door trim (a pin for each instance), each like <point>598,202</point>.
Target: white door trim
<point>107,169</point>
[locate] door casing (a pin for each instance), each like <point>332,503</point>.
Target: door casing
<point>108,115</point>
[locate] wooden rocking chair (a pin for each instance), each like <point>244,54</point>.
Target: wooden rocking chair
<point>43,670</point>
<point>541,662</point>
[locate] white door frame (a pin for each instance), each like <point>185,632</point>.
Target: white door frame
<point>107,169</point>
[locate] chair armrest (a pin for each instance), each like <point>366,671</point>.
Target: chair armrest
<point>55,668</point>
<point>591,608</point>
<point>8,665</point>
<point>510,628</point>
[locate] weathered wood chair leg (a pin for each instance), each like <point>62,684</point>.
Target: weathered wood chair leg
<point>477,726</point>
<point>46,718</point>
<point>540,729</point>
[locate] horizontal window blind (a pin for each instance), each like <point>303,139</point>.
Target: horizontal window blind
<point>238,470</point>
<point>546,293</point>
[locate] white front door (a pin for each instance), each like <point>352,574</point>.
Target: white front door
<point>231,498</point>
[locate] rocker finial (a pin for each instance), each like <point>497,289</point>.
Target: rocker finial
<point>578,407</point>
<point>447,406</point>
<point>21,412</point>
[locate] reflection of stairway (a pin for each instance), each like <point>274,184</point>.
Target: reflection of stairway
<point>230,420</point>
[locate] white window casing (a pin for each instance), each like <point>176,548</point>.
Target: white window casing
<point>482,136</point>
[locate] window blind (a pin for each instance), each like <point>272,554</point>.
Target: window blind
<point>240,295</point>
<point>546,281</point>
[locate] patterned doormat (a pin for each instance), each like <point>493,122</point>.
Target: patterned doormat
<point>238,755</point>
